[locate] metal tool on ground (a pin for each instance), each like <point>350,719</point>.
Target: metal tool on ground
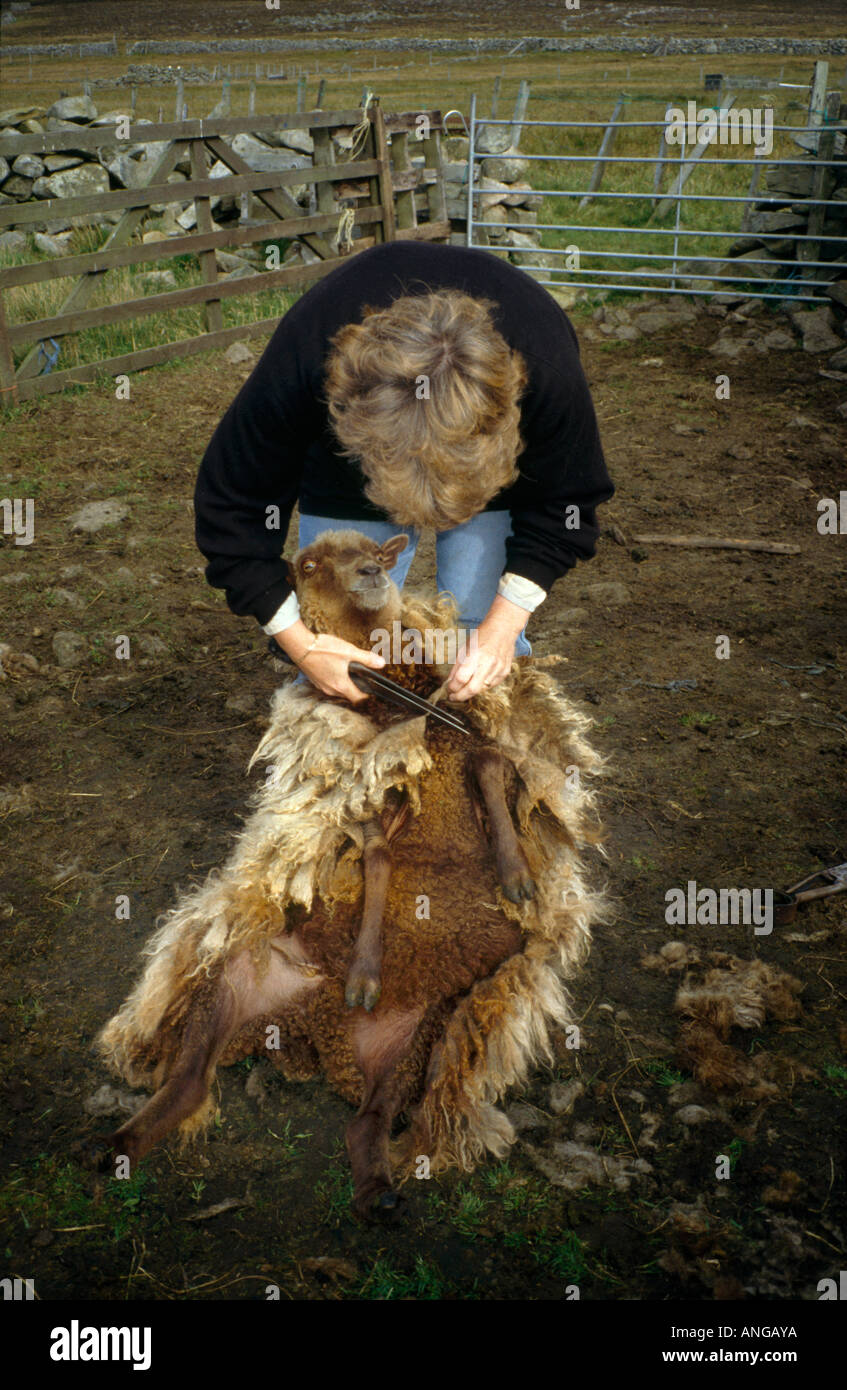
<point>817,885</point>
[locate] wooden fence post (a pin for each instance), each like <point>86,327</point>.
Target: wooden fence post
<point>319,99</point>
<point>605,148</point>
<point>406,212</point>
<point>661,160</point>
<point>808,250</point>
<point>520,111</point>
<point>382,185</point>
<point>208,261</point>
<point>8,383</point>
<point>495,97</point>
<point>817,94</point>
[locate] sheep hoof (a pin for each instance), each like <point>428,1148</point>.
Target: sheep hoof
<point>97,1153</point>
<point>363,989</point>
<point>518,887</point>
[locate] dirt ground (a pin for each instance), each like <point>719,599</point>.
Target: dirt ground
<point>129,778</point>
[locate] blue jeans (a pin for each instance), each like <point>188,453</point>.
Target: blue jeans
<point>469,559</point>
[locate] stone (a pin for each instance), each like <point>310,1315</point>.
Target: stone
<point>16,115</point>
<point>754,263</point>
<point>506,168</point>
<point>53,245</point>
<point>493,139</point>
<point>4,169</point>
<point>455,147</point>
<point>729,347</point>
<point>69,648</point>
<point>73,109</point>
<point>293,139</point>
<point>153,236</point>
<point>226,261</point>
<point>565,298</point>
<point>73,183</point>
<point>95,515</point>
<point>54,163</point>
<point>69,597</point>
<point>240,274</point>
<point>839,361</point>
<point>188,218</point>
<point>19,188</point>
<point>29,166</point>
<point>796,180</point>
<point>523,241</point>
<point>778,341</point>
<point>838,292</point>
<point>816,328</point>
<point>112,118</point>
<point>266,160</point>
<point>659,320</point>
<point>626,332</point>
<point>776,221</point>
<point>12,241</point>
<point>237,353</point>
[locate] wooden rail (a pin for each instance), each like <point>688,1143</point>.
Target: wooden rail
<point>385,169</point>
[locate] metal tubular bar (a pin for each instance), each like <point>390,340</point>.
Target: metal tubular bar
<point>660,231</point>
<point>651,159</point>
<point>471,169</point>
<point>649,231</point>
<point>649,289</point>
<point>583,125</point>
<point>682,274</point>
<point>686,197</point>
<point>665,256</point>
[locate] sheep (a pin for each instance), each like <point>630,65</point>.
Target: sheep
<point>477,946</point>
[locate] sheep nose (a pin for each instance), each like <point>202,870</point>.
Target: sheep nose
<point>369,569</point>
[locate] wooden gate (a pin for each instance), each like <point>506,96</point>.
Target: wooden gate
<point>373,214</point>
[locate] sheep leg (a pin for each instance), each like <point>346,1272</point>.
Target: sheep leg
<point>240,994</point>
<point>364,982</point>
<point>379,1045</point>
<point>512,868</point>
<point>211,1023</point>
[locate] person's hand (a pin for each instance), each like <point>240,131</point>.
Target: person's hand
<point>491,660</point>
<point>325,661</point>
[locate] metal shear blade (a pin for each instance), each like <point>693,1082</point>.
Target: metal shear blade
<point>375,683</point>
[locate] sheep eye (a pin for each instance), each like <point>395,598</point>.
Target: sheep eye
<point>309,566</point>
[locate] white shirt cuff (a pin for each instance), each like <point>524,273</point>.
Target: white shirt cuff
<point>285,616</point>
<point>521,591</point>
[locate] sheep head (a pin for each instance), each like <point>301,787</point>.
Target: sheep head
<point>343,585</point>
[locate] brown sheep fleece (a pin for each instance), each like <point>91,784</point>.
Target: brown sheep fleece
<point>469,991</point>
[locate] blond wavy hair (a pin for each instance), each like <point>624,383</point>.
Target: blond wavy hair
<point>425,395</point>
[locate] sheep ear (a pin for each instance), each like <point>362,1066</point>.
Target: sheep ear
<point>392,548</point>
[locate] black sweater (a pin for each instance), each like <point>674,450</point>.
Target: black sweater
<point>274,446</point>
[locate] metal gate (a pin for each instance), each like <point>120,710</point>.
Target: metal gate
<point>674,258</point>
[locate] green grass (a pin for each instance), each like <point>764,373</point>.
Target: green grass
<point>47,1193</point>
<point>383,1283</point>
<point>25,303</point>
<point>334,1194</point>
<point>662,1074</point>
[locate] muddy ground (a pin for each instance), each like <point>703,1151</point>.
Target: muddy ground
<point>129,778</point>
